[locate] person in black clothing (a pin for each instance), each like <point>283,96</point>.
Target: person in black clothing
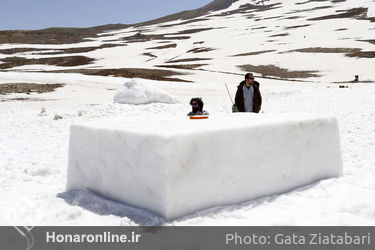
<point>197,107</point>
<point>248,97</point>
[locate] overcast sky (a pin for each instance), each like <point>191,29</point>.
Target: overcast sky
<point>37,14</point>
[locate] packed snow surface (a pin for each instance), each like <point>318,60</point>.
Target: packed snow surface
<point>177,166</point>
<point>135,92</point>
<point>34,146</point>
<point>34,151</point>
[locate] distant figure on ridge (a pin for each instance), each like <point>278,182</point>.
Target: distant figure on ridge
<point>356,78</point>
<point>197,107</point>
<point>248,97</point>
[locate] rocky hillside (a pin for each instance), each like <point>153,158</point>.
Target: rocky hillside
<point>297,40</point>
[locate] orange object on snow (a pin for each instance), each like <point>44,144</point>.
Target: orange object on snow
<point>198,117</point>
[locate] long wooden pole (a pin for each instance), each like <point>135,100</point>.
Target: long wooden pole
<point>229,94</point>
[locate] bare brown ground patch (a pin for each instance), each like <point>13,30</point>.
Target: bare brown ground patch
<point>297,26</point>
<point>182,66</point>
<point>293,17</point>
<point>139,37</point>
<point>168,46</point>
<point>326,50</point>
<point>27,88</point>
<point>310,9</point>
<point>351,13</point>
<point>259,28</point>
<point>275,71</point>
<point>349,52</point>
<point>282,34</point>
<point>188,60</point>
<point>342,29</point>
<point>310,1</point>
<point>248,8</point>
<point>254,53</point>
<point>183,23</point>
<point>17,99</point>
<point>82,50</point>
<point>151,74</point>
<point>11,62</point>
<point>19,50</point>
<point>272,17</point>
<point>362,54</point>
<point>192,31</point>
<point>149,54</point>
<point>369,41</point>
<point>55,35</point>
<point>152,56</point>
<point>200,50</point>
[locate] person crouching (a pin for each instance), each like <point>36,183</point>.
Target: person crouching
<point>197,107</point>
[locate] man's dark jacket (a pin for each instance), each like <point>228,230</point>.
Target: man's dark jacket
<point>257,100</point>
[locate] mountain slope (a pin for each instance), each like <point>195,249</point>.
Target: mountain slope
<point>328,41</point>
<point>74,35</point>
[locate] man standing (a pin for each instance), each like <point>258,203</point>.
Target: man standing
<point>248,97</point>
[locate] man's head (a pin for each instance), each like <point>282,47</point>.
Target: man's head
<point>197,104</point>
<point>249,78</point>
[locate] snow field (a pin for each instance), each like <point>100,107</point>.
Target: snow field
<point>34,148</point>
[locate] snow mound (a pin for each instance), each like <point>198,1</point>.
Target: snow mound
<point>135,92</point>
<point>174,167</point>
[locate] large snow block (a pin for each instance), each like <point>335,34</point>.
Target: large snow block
<point>174,167</point>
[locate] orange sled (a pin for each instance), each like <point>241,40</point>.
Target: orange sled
<point>200,117</point>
